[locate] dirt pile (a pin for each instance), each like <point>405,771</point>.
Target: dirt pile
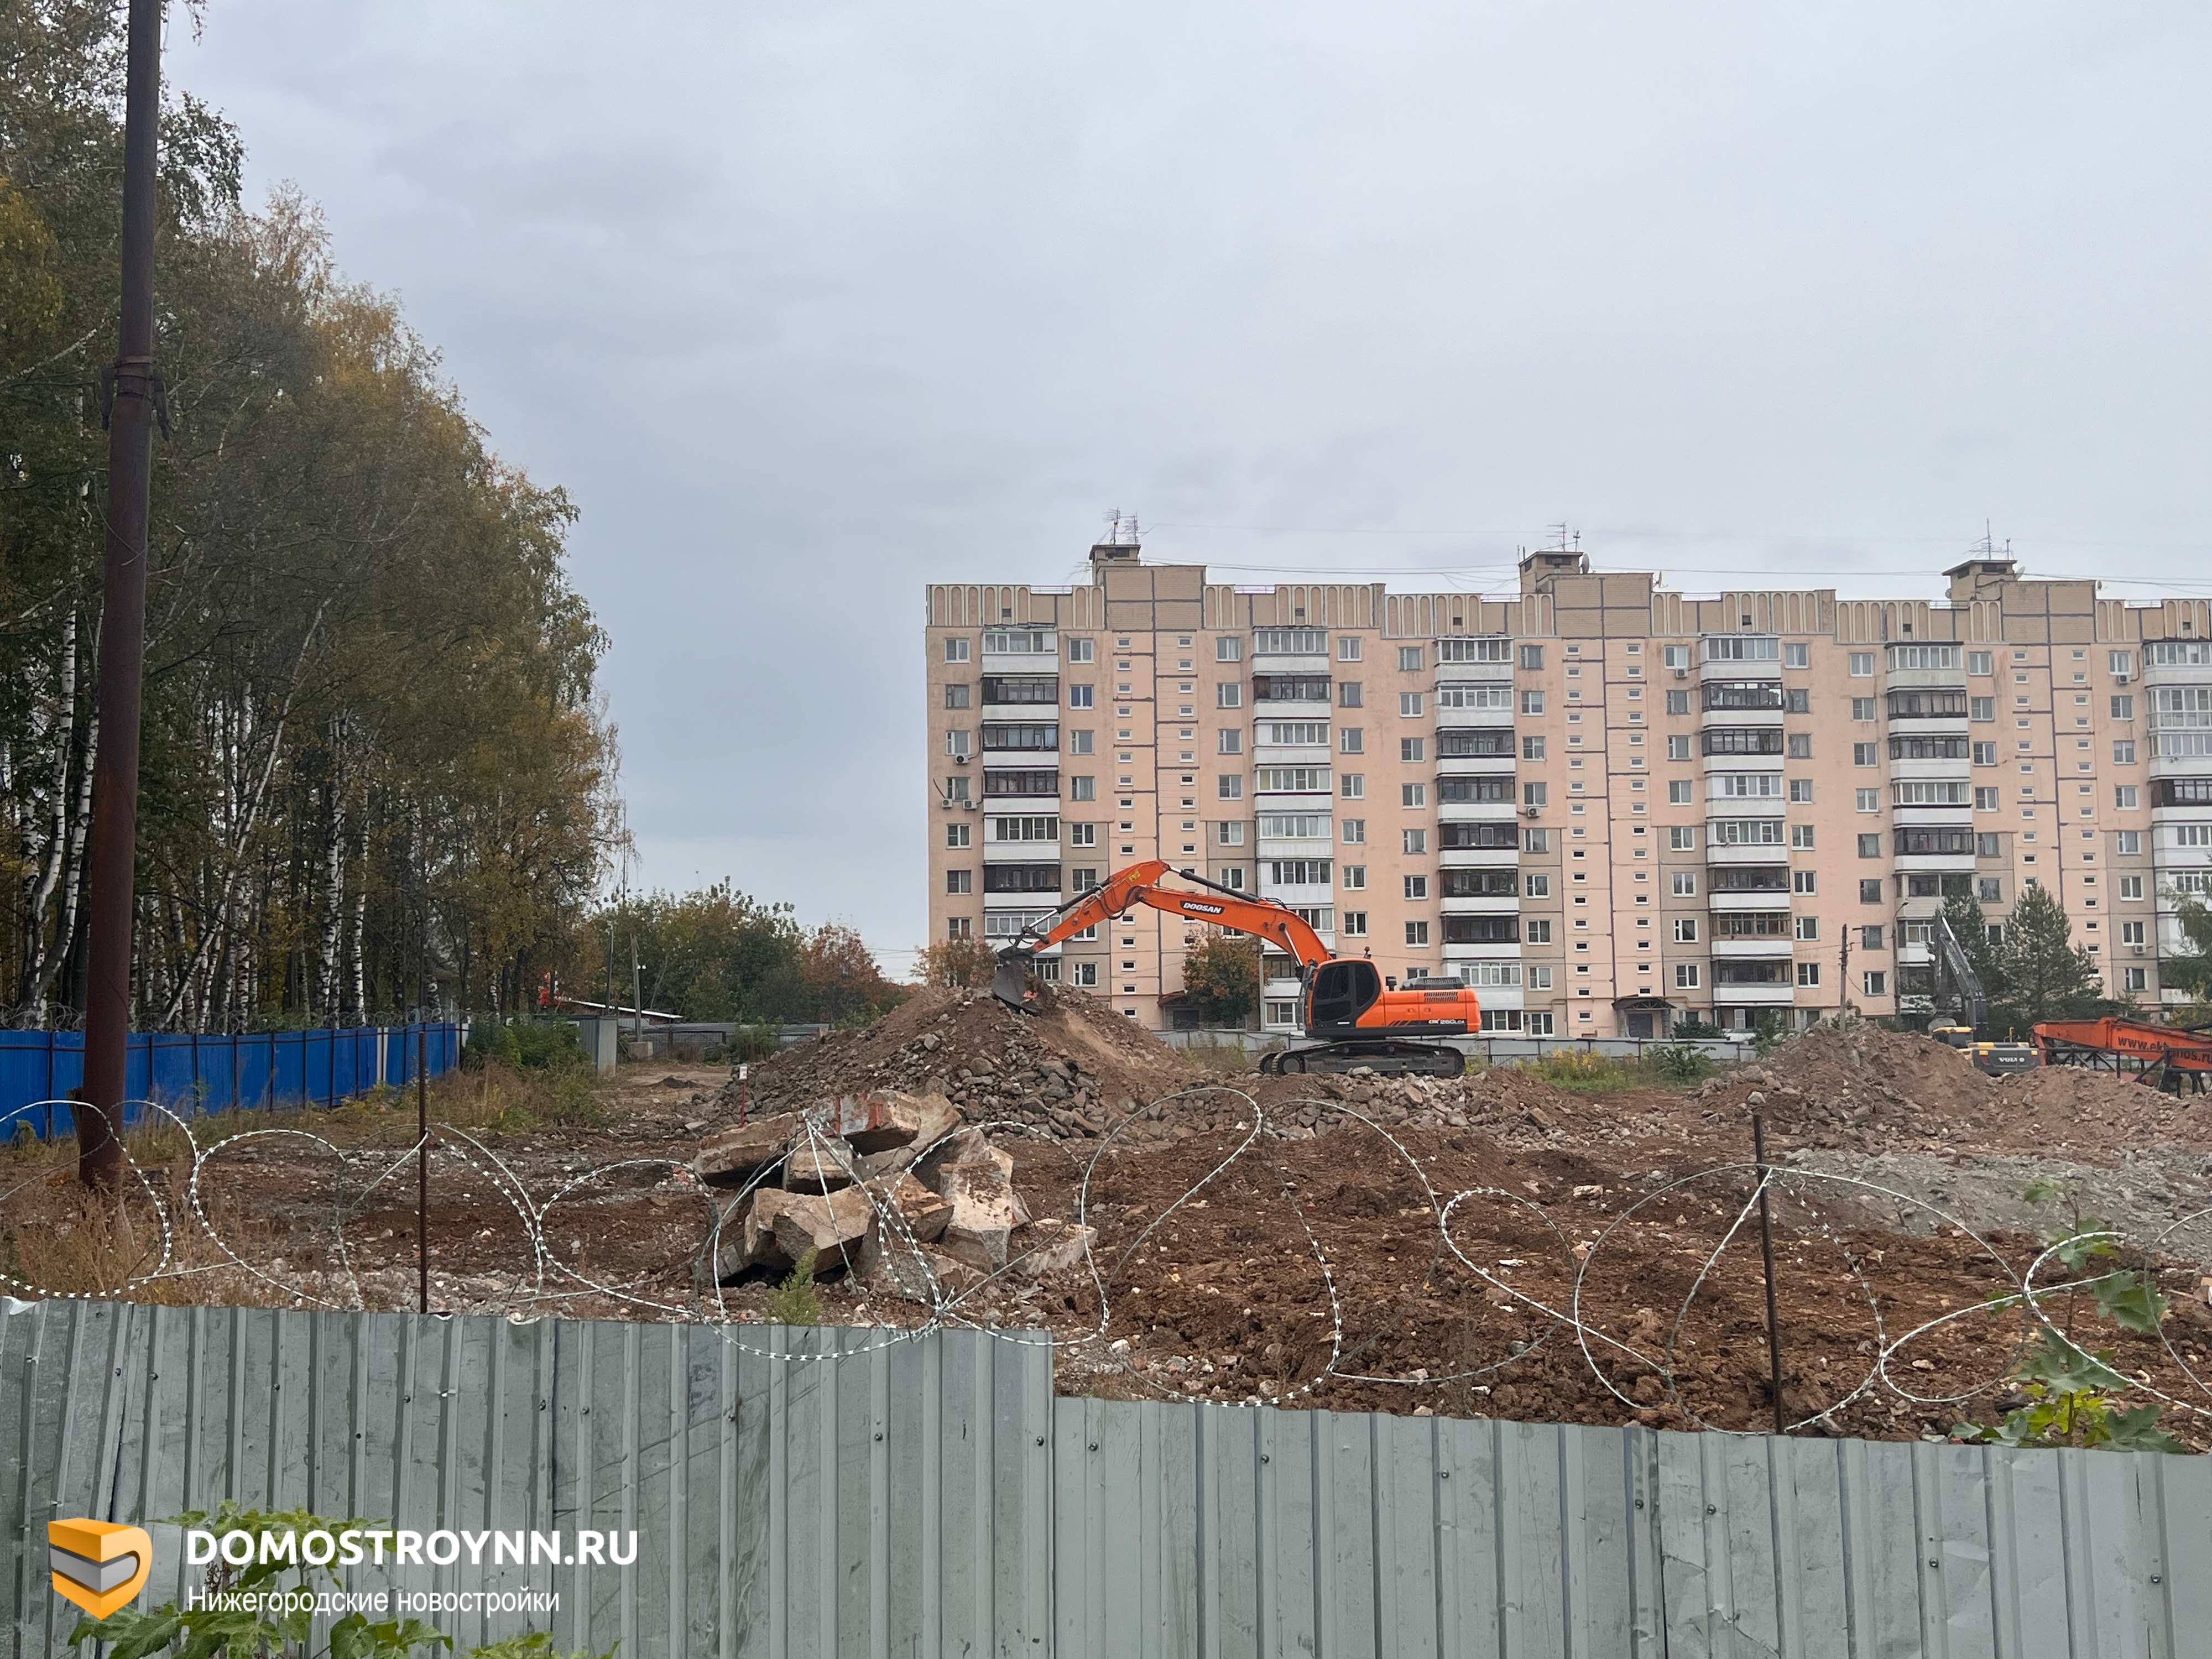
<point>1065,1070</point>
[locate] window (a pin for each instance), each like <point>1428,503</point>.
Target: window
<point>1347,647</point>
<point>1230,694</point>
<point>1674,656</point>
<point>2131,933</point>
<point>2179,653</point>
<point>1796,654</point>
<point>2124,796</point>
<point>1801,745</point>
<point>1531,749</point>
<point>1536,886</point>
<point>1809,973</point>
<point>1352,786</point>
<point>956,651</point>
<point>1350,696</point>
<point>1230,786</point>
<point>1417,887</point>
<point>1537,931</point>
<point>1873,983</point>
<point>1411,750</point>
<point>1082,650</point>
<point>960,926</point>
<point>1978,662</point>
<point>1532,703</point>
<point>1081,696</point>
<point>1686,975</point>
<point>1290,643</point>
<point>1686,930</point>
<point>1416,933</point>
<point>1086,834</point>
<point>2124,706</point>
<point>1862,664</point>
<point>957,835</point>
<point>1295,734</point>
<point>1412,794</point>
<point>1081,740</point>
<point>1801,790</point>
<point>1351,740</point>
<point>1803,881</point>
<point>1294,826</point>
<point>1355,921</point>
<point>1498,699</point>
<point>1678,746</point>
<point>2135,979</point>
<point>1740,647</point>
<point>1677,702</point>
<point>1801,837</point>
<point>1409,660</point>
<point>2131,887</point>
<point>957,696</point>
<point>1870,889</point>
<point>1808,927</point>
<point>1741,740</point>
<point>1414,841</point>
<point>2123,751</point>
<point>1229,741</point>
<point>1871,845</point>
<point>1685,883</point>
<point>1299,872</point>
<point>1986,754</point>
<point>1981,708</point>
<point>1409,704</point>
<point>2120,662</point>
<point>1230,835</point>
<point>1533,794</point>
<point>1800,701</point>
<point>2128,842</point>
<point>1923,656</point>
<point>1353,877</point>
<point>1681,838</point>
<point>1678,791</point>
<point>1354,831</point>
<point>1228,648</point>
<point>1535,841</point>
<point>957,742</point>
<point>1985,799</point>
<point>1473,650</point>
<point>1294,780</point>
<point>1532,656</point>
<point>959,881</point>
<point>1018,641</point>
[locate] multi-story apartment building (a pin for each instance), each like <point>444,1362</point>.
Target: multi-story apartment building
<point>1606,805</point>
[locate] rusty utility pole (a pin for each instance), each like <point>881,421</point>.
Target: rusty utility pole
<point>131,397</point>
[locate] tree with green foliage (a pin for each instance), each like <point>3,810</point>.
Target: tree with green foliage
<point>2189,969</point>
<point>958,963</point>
<point>1221,978</point>
<point>2041,973</point>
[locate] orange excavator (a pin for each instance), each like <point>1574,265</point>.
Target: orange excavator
<point>2168,1057</point>
<point>1350,1017</point>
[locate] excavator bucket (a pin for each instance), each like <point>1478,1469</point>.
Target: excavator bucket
<point>1012,983</point>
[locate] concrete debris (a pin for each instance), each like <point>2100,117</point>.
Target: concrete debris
<point>816,1165</point>
<point>732,1157</point>
<point>1045,1249</point>
<point>985,1209</point>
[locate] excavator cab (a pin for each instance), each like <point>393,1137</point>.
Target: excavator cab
<point>1340,993</point>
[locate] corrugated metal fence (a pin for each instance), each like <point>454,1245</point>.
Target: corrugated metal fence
<point>931,1498</point>
<point>255,1070</point>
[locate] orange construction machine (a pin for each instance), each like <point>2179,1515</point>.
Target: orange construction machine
<point>1349,1016</point>
<point>2168,1057</point>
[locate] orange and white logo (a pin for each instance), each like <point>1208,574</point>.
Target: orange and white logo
<point>98,1564</point>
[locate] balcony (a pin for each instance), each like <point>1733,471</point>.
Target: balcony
<point>1020,651</point>
<point>1005,743</point>
<point>1764,898</point>
<point>2176,662</point>
<point>1924,666</point>
<point>1738,657</point>
<point>1459,705</point>
<point>1465,657</point>
<point>1021,697</point>
<point>1020,851</point>
<point>1007,785</point>
<point>1754,996</point>
<point>1756,948</point>
<point>1290,651</point>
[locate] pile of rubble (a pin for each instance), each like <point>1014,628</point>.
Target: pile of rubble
<point>1065,1070</point>
<point>889,1187</point>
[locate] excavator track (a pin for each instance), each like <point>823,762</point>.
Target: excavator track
<point>1390,1057</point>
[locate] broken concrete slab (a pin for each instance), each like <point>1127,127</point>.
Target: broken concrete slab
<point>921,1212</point>
<point>816,1165</point>
<point>985,1210</point>
<point>746,1238</point>
<point>1049,1247</point>
<point>920,1275</point>
<point>732,1157</point>
<point>887,1119</point>
<point>961,1146</point>
<point>832,1226</point>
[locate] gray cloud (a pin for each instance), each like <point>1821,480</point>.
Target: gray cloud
<point>810,303</point>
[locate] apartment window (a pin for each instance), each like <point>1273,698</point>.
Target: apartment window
<point>1354,921</point>
<point>1866,754</point>
<point>1536,886</point>
<point>1801,837</point>
<point>1674,656</point>
<point>1533,794</point>
<point>1082,697</point>
<point>959,926</point>
<point>1082,650</point>
<point>1801,745</point>
<point>1538,932</point>
<point>2124,796</point>
<point>1409,704</point>
<point>1082,788</point>
<point>2135,979</point>
<point>1809,973</point>
<point>1081,740</point>
<point>2131,933</point>
<point>1869,845</point>
<point>959,881</point>
<point>1230,835</point>
<point>956,651</point>
<point>1532,749</point>
<point>1863,708</point>
<point>1686,975</point>
<point>1677,702</point>
<point>1535,841</point>
<point>2131,887</point>
<point>1685,883</point>
<point>1679,792</point>
<point>2124,706</point>
<point>1532,703</point>
<point>1412,794</point>
<point>957,696</point>
<point>1349,694</point>
<point>1808,927</point>
<point>1354,876</point>
<point>1686,930</point>
<point>958,835</point>
<point>1229,741</point>
<point>1678,747</point>
<point>2120,662</point>
<point>1083,835</point>
<point>1354,830</point>
<point>1352,786</point>
<point>1981,708</point>
<point>2123,751</point>
<point>1347,647</point>
<point>1231,786</point>
<point>1411,750</point>
<point>1986,754</point>
<point>1351,740</point>
<point>1409,660</point>
<point>1798,700</point>
<point>1681,838</point>
<point>1417,888</point>
<point>1873,983</point>
<point>1230,694</point>
<point>1862,664</point>
<point>1532,656</point>
<point>1299,872</point>
<point>1228,648</point>
<point>1415,841</point>
<point>1416,933</point>
<point>1801,790</point>
<point>1803,881</point>
<point>2128,842</point>
<point>1870,889</point>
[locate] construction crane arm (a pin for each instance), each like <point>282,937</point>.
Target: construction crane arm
<point>1139,884</point>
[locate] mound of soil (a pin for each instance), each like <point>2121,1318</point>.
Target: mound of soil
<point>1066,1069</point>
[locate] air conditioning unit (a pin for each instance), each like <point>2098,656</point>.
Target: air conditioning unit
<point>2122,679</point>
<point>960,760</point>
<point>1682,673</point>
<point>2142,949</point>
<point>1528,812</point>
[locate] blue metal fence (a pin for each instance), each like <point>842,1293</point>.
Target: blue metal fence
<point>188,1073</point>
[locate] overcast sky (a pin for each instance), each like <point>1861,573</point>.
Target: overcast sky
<point>808,304</point>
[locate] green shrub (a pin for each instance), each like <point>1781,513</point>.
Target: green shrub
<point>796,1302</point>
<point>1679,1062</point>
<point>528,1044</point>
<point>752,1043</point>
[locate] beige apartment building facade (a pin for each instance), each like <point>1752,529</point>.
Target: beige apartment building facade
<point>1607,805</point>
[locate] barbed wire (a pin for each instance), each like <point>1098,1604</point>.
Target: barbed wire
<point>546,1281</point>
